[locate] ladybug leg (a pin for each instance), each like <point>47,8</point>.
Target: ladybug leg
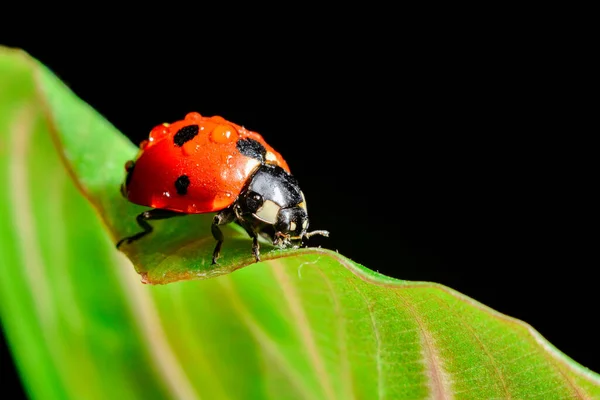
<point>142,219</point>
<point>254,236</point>
<point>223,217</point>
<point>239,218</point>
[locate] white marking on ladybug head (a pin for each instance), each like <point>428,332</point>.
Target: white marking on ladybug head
<point>293,226</point>
<point>305,224</point>
<point>270,157</point>
<point>268,212</point>
<point>303,202</point>
<point>251,164</point>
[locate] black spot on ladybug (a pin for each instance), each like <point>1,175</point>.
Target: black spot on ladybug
<point>251,148</point>
<point>181,184</point>
<point>185,134</point>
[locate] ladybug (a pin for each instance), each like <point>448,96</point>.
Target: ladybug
<point>207,164</point>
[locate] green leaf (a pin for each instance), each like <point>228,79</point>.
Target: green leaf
<point>306,323</point>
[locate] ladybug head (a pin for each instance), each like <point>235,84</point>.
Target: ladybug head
<point>275,202</point>
<point>290,226</point>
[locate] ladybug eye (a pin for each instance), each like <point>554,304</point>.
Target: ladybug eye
<point>254,201</point>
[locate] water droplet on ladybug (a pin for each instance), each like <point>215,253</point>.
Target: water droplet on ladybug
<point>193,116</point>
<point>224,134</point>
<point>222,200</point>
<point>158,132</point>
<point>166,194</point>
<point>190,148</point>
<point>158,201</point>
<point>217,119</point>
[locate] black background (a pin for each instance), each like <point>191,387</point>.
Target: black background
<point>443,158</point>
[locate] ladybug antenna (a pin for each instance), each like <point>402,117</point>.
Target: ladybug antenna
<point>322,233</point>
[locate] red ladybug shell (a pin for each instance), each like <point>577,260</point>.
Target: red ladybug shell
<point>194,172</point>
